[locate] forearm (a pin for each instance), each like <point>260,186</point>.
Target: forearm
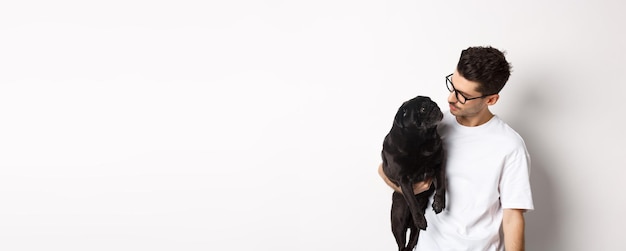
<point>513,229</point>
<point>417,187</point>
<point>389,183</point>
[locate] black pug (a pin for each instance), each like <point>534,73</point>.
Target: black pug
<point>412,152</point>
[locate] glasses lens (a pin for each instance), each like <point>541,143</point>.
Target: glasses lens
<point>460,98</point>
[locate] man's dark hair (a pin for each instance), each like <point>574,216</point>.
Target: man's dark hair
<point>485,65</point>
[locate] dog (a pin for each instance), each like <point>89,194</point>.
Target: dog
<point>413,152</point>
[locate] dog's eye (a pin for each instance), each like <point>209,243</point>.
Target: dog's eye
<point>422,110</point>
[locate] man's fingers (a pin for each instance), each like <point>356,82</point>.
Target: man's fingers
<point>422,186</point>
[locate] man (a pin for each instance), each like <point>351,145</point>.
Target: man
<point>487,164</point>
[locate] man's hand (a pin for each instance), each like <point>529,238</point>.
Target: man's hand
<point>422,186</point>
<point>418,187</point>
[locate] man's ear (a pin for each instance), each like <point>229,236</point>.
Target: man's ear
<point>493,99</point>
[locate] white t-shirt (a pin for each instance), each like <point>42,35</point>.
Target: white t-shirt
<point>487,169</point>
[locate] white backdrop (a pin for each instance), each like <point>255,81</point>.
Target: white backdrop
<point>197,125</point>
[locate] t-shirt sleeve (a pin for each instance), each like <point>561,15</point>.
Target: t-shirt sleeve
<point>515,192</point>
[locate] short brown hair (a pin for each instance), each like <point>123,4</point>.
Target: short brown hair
<point>485,65</point>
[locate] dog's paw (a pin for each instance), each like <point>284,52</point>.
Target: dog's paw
<point>439,204</point>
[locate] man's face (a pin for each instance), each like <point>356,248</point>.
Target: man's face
<point>468,89</point>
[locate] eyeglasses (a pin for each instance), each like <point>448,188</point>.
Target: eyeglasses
<point>459,96</point>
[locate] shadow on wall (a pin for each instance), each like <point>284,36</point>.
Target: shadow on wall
<point>542,224</point>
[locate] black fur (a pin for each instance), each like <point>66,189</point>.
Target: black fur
<point>412,152</point>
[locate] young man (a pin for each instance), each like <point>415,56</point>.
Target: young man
<point>487,164</point>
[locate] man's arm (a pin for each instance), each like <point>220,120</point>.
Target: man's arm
<point>513,228</point>
<point>417,187</point>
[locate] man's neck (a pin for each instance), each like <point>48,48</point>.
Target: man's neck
<point>476,120</point>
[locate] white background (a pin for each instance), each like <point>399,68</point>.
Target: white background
<point>258,125</point>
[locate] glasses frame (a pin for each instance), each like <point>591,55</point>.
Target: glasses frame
<point>456,93</point>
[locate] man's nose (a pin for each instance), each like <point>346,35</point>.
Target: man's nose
<point>452,97</point>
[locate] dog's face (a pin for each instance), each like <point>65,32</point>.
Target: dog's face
<point>419,113</point>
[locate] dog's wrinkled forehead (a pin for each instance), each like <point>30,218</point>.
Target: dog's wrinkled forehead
<point>420,111</point>
<point>420,102</point>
